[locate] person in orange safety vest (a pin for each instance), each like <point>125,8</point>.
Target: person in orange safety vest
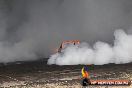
<point>85,79</point>
<point>84,72</point>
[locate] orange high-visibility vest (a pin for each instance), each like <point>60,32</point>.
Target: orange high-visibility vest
<point>84,73</point>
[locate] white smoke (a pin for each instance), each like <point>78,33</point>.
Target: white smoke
<point>101,52</point>
<point>31,29</point>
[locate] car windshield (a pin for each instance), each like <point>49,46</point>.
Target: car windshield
<point>67,44</point>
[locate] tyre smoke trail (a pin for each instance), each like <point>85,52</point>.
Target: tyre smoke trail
<point>101,52</point>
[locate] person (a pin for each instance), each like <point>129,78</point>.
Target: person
<point>86,80</point>
<point>84,72</point>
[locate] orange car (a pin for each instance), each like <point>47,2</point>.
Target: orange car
<point>69,42</point>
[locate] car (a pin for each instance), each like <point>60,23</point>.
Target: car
<point>66,43</point>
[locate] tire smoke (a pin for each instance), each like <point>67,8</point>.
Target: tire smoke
<point>31,29</point>
<point>101,52</point>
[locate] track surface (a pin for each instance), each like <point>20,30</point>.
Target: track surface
<point>38,72</point>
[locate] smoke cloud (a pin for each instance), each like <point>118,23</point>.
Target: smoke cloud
<point>101,52</point>
<point>32,29</point>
